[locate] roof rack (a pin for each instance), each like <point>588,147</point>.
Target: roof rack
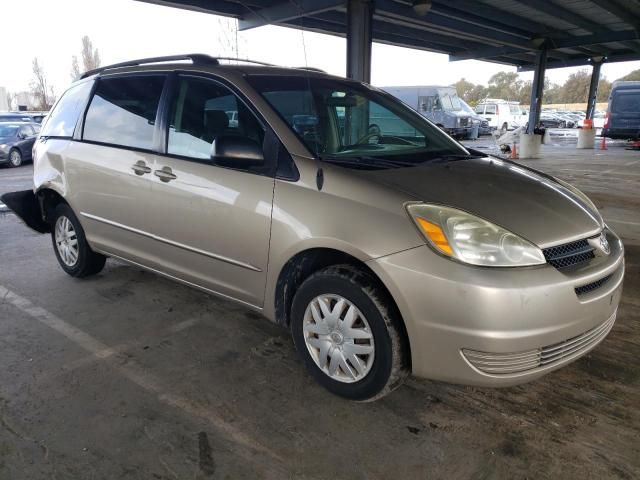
<point>245,60</point>
<point>196,59</point>
<point>312,69</point>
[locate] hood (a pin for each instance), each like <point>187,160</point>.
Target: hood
<point>523,201</point>
<point>7,139</point>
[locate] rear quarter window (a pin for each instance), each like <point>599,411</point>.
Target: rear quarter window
<point>62,120</point>
<point>123,111</point>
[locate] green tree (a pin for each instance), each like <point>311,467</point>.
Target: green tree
<point>463,88</point>
<point>476,95</point>
<point>604,89</point>
<point>505,85</point>
<point>576,88</point>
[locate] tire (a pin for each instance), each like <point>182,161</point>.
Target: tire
<point>378,328</point>
<point>15,158</point>
<point>504,129</point>
<point>65,230</point>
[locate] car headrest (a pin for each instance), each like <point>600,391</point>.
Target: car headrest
<point>216,120</point>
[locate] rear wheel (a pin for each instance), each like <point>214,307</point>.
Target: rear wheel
<point>70,245</point>
<point>349,337</point>
<point>15,158</point>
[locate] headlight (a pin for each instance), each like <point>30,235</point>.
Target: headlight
<point>3,147</point>
<point>471,239</point>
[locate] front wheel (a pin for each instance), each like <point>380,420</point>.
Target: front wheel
<point>348,334</point>
<point>70,245</point>
<point>15,158</point>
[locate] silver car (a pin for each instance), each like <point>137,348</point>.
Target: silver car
<point>386,247</point>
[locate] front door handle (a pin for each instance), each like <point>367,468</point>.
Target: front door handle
<point>165,174</point>
<point>140,168</point>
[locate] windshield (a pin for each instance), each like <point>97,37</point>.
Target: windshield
<point>8,130</point>
<point>341,119</point>
<point>466,107</point>
<point>449,100</point>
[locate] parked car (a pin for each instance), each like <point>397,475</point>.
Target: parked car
<point>550,120</point>
<point>439,104</point>
<point>16,142</point>
<point>383,253</point>
<point>623,113</point>
<point>481,123</point>
<point>501,114</point>
<point>15,117</point>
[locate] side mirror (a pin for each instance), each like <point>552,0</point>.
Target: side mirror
<point>236,152</point>
<point>22,136</point>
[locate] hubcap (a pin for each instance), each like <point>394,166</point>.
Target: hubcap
<point>66,241</point>
<point>15,158</point>
<point>339,338</point>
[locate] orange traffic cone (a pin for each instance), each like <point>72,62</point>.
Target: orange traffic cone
<point>603,143</point>
<point>514,152</point>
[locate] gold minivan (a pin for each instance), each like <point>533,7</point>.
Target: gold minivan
<point>334,210</point>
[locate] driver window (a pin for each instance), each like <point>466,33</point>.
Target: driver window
<point>203,110</point>
<point>26,131</point>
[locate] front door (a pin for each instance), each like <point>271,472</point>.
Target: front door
<point>211,223</point>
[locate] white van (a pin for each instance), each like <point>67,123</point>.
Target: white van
<point>501,114</point>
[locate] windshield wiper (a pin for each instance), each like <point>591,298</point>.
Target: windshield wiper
<point>373,162</point>
<point>451,157</point>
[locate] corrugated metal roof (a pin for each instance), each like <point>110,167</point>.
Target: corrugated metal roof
<point>503,31</point>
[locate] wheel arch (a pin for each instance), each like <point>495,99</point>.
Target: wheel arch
<point>306,262</point>
<point>49,198</point>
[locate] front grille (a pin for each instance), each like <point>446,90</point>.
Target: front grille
<point>509,363</point>
<point>503,363</point>
<point>590,287</point>
<point>569,254</point>
<point>555,353</point>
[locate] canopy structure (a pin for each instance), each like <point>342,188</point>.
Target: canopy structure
<point>529,34</point>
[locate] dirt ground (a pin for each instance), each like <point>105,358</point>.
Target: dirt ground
<point>130,376</point>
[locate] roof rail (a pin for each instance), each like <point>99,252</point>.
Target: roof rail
<point>245,60</point>
<point>196,59</point>
<point>312,69</point>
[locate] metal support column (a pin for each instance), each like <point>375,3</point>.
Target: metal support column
<point>537,90</point>
<point>593,88</point>
<point>359,35</point>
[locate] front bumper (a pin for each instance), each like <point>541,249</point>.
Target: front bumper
<point>458,131</point>
<point>454,311</point>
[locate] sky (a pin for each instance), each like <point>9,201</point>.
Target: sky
<point>127,29</point>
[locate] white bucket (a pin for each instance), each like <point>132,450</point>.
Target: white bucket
<point>586,138</point>
<point>530,145</point>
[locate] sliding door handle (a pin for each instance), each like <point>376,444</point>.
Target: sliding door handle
<point>165,174</point>
<point>140,168</point>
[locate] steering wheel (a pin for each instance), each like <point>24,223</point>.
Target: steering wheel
<point>374,131</point>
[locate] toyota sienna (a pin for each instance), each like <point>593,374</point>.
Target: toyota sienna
<point>335,210</point>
